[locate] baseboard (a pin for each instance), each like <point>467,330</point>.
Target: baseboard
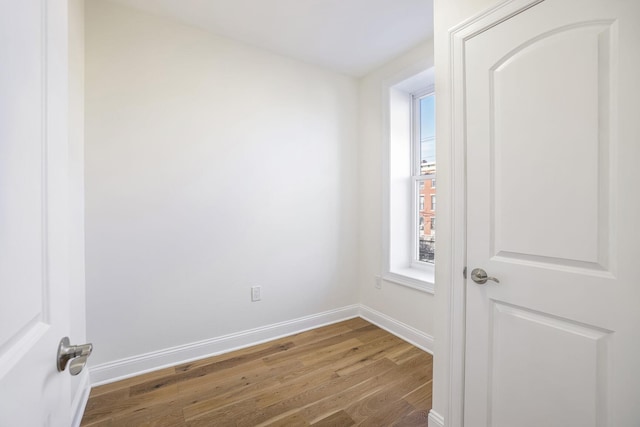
<point>80,399</point>
<point>397,328</point>
<point>435,419</point>
<point>136,365</point>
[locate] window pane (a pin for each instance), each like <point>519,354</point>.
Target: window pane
<point>427,167</point>
<point>427,136</point>
<point>426,230</point>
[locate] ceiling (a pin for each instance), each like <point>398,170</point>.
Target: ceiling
<point>349,36</point>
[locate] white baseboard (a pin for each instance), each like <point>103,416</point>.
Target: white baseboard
<point>136,365</point>
<point>435,419</point>
<point>397,328</point>
<point>80,399</point>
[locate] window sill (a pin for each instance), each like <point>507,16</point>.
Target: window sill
<point>418,279</point>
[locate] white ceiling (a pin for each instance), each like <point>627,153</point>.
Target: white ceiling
<point>349,36</point>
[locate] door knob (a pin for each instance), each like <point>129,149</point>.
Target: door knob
<point>77,354</point>
<point>479,276</point>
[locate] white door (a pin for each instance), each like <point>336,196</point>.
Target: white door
<point>33,212</point>
<point>552,123</point>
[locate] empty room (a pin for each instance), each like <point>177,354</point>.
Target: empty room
<point>319,213</point>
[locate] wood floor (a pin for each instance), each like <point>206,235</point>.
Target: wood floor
<point>348,373</point>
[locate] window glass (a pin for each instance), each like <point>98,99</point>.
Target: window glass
<point>427,136</point>
<point>426,171</point>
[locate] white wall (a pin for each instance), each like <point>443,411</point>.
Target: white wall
<point>76,188</point>
<point>447,14</point>
<point>407,305</point>
<point>211,166</point>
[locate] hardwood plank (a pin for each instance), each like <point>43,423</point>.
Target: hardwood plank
<point>100,407</point>
<point>317,334</point>
<point>328,352</point>
<point>305,380</point>
<point>228,415</point>
<point>231,360</point>
<point>295,400</point>
<point>307,388</point>
<point>108,422</point>
<point>154,384</point>
<point>395,386</point>
<point>336,419</point>
<point>161,415</point>
<point>388,415</point>
<point>410,354</point>
<point>125,384</point>
<point>237,376</point>
<point>97,410</point>
<point>342,374</point>
<point>298,379</point>
<point>320,344</point>
<point>350,360</point>
<point>413,419</point>
<point>321,409</point>
<point>377,381</point>
<point>420,398</point>
<point>366,354</point>
<point>397,354</point>
<point>353,323</point>
<point>292,420</point>
<point>217,397</point>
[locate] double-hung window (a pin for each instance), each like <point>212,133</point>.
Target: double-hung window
<point>423,177</point>
<point>410,187</point>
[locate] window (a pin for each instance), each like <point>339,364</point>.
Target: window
<point>424,170</point>
<point>410,174</point>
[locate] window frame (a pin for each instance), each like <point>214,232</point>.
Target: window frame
<point>399,200</point>
<point>417,178</point>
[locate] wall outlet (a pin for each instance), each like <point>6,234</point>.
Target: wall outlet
<point>378,282</point>
<point>255,293</point>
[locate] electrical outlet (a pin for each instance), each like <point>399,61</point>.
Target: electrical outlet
<point>255,293</point>
<point>378,282</point>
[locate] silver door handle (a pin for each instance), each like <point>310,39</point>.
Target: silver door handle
<point>77,354</point>
<point>479,276</point>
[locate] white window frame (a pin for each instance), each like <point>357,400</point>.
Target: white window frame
<point>417,178</point>
<point>400,196</point>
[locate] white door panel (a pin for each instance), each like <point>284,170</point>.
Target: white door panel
<point>533,146</point>
<point>552,173</point>
<point>573,394</point>
<point>20,168</point>
<point>33,213</point>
